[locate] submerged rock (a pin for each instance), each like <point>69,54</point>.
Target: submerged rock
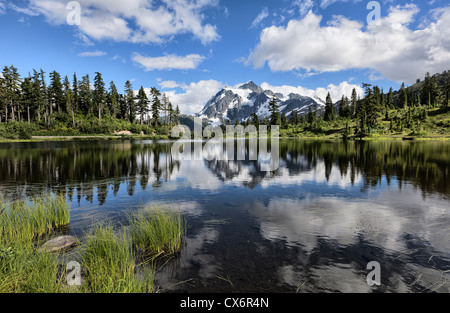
<point>59,244</point>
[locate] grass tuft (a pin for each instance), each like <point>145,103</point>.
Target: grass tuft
<point>156,232</point>
<point>110,264</point>
<point>24,221</point>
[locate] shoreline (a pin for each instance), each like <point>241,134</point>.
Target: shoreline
<point>157,138</point>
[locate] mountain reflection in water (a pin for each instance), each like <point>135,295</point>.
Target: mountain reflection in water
<point>310,226</point>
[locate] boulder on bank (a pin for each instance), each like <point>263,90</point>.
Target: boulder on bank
<point>59,244</point>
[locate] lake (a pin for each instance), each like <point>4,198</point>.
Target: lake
<point>312,225</point>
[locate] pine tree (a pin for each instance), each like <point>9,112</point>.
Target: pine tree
<point>296,118</point>
<point>171,113</point>
<point>85,94</point>
<point>310,117</point>
<point>165,108</point>
<point>129,101</point>
<point>123,107</point>
<point>45,100</point>
<point>435,91</point>
<point>27,96</point>
<point>156,105</point>
<point>255,120</point>
<point>76,98</point>
<point>354,101</point>
<point>99,94</point>
<point>447,89</point>
<point>403,97</point>
<point>68,95</point>
<point>329,109</point>
<point>142,104</point>
<point>56,94</point>
<point>284,121</point>
<point>113,100</point>
<point>37,96</point>
<point>344,107</point>
<point>176,115</point>
<point>390,99</point>
<point>11,91</point>
<point>275,118</point>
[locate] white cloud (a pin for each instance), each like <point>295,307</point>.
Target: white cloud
<point>89,54</point>
<point>261,16</point>
<point>194,95</point>
<point>26,11</point>
<point>137,21</point>
<point>118,58</point>
<point>168,84</point>
<point>336,92</point>
<point>304,6</point>
<point>2,8</point>
<point>389,47</point>
<point>168,62</point>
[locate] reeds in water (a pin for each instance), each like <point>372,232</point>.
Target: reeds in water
<point>156,232</point>
<point>110,264</point>
<point>23,221</point>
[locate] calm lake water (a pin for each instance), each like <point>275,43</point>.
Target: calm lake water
<point>312,225</point>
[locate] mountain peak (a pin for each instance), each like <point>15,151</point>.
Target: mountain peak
<point>252,86</point>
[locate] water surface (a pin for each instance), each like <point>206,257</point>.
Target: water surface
<point>312,225</point>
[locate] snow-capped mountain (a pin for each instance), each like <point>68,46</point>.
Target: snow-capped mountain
<point>239,103</point>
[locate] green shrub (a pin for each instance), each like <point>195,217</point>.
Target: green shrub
<point>17,130</point>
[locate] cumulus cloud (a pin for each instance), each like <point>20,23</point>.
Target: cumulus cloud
<point>88,54</point>
<point>168,62</point>
<point>168,84</point>
<point>389,47</point>
<point>193,96</point>
<point>137,21</point>
<point>336,92</point>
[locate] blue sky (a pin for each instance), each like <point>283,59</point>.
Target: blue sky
<point>192,48</point>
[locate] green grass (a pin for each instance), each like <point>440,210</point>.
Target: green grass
<point>24,221</point>
<point>23,269</point>
<point>157,232</point>
<point>108,258</point>
<point>110,264</point>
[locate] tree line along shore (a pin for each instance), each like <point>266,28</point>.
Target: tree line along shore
<point>76,109</point>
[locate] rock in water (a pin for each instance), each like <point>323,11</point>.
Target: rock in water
<point>60,244</point>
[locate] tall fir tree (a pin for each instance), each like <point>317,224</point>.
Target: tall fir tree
<point>390,99</point>
<point>113,100</point>
<point>99,95</point>
<point>403,97</point>
<point>55,92</point>
<point>156,106</point>
<point>329,109</point>
<point>344,107</point>
<point>129,100</point>
<point>69,99</point>
<point>275,117</point>
<point>27,96</point>
<point>142,104</point>
<point>354,100</point>
<point>85,94</point>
